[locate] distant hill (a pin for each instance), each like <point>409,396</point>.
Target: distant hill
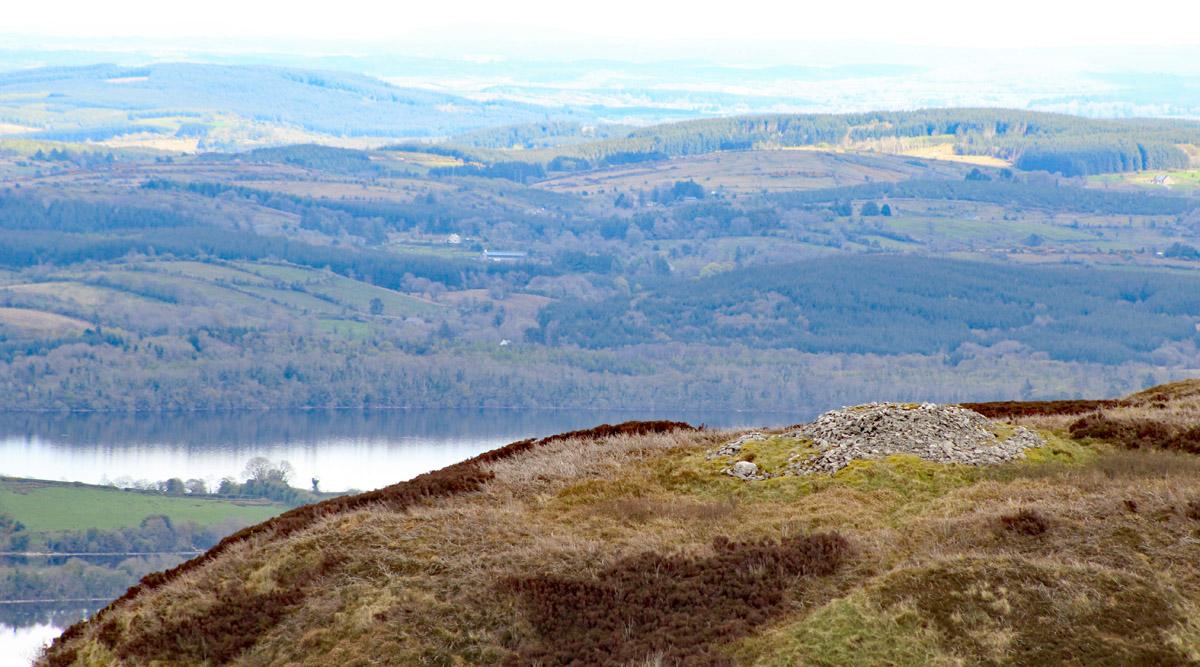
<point>188,100</point>
<point>1033,141</point>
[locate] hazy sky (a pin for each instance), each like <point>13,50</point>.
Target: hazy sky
<point>1012,23</point>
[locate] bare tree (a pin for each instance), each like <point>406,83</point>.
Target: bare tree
<point>261,469</point>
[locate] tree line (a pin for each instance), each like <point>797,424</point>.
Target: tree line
<point>894,306</point>
<point>1005,192</point>
<point>1058,143</point>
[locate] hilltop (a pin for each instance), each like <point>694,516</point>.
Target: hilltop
<point>634,545</point>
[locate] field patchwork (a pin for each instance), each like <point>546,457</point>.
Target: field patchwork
<point>48,506</point>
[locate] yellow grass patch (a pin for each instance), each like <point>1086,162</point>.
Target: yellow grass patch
<point>335,190</point>
<point>13,128</point>
<point>426,159</point>
<point>1193,153</point>
<point>172,144</point>
<point>84,295</point>
<point>521,305</point>
<point>40,322</point>
<point>777,169</point>
<point>946,152</point>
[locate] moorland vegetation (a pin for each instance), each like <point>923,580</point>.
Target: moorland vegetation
<point>629,545</point>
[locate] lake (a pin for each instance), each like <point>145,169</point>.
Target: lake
<point>25,628</point>
<point>343,449</point>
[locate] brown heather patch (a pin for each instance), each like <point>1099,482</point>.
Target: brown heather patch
<point>1163,417</point>
<point>677,608</point>
<point>1025,522</point>
<point>1014,409</point>
<point>1134,432</point>
<point>1174,396</point>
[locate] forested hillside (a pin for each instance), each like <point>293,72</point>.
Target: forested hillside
<point>315,276</point>
<point>1032,141</point>
<point>891,305</point>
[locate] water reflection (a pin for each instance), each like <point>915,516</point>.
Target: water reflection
<point>25,628</point>
<point>342,448</point>
<point>18,615</point>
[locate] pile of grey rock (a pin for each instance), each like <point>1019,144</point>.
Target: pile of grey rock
<point>934,432</point>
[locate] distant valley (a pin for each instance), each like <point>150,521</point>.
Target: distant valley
<point>745,263</point>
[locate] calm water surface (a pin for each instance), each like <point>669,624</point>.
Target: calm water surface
<point>344,449</point>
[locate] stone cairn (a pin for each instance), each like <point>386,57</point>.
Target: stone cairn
<point>934,432</point>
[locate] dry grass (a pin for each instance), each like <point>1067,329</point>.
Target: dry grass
<point>621,548</point>
<point>946,152</point>
<point>771,169</point>
<point>40,322</point>
<point>13,128</point>
<point>392,190</point>
<point>157,142</point>
<point>79,293</point>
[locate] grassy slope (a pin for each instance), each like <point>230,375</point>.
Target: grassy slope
<point>613,550</point>
<point>758,170</point>
<point>44,506</point>
<point>254,288</point>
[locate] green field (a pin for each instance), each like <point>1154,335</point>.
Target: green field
<point>290,274</point>
<point>211,272</point>
<point>48,506</point>
<point>1187,180</point>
